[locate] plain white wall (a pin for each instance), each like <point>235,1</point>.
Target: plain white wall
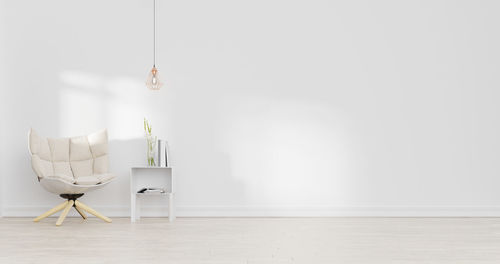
<point>270,107</point>
<point>3,95</point>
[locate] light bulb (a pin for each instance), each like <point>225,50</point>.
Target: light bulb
<point>153,82</point>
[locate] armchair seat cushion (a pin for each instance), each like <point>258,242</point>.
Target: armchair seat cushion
<point>62,177</point>
<point>105,177</point>
<point>87,180</point>
<point>94,179</point>
<point>59,186</point>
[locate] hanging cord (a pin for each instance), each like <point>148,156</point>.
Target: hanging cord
<point>154,33</point>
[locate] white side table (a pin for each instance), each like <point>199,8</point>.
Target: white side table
<point>143,177</point>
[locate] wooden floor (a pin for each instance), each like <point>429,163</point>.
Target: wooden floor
<point>252,240</point>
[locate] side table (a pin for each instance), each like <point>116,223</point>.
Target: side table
<point>144,177</point>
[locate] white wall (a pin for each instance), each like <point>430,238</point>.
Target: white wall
<point>270,107</point>
<point>3,95</point>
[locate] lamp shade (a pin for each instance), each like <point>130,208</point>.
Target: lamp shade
<point>153,82</point>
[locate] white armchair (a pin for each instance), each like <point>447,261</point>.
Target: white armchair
<point>71,167</point>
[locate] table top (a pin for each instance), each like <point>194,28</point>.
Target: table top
<point>152,167</point>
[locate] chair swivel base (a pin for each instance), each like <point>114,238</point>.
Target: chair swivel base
<point>80,207</point>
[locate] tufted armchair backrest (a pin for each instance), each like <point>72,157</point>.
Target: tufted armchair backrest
<point>69,157</point>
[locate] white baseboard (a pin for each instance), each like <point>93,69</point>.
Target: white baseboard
<point>335,211</point>
<point>249,211</point>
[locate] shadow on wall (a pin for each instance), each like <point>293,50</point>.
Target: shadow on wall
<point>123,154</point>
<point>206,183</point>
<point>217,187</point>
<point>204,176</point>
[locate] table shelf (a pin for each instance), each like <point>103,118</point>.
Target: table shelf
<point>147,177</point>
<point>152,194</point>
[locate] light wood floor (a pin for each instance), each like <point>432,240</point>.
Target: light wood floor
<point>252,240</point>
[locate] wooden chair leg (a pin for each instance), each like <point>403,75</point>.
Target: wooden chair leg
<point>64,213</point>
<point>91,211</point>
<point>81,212</point>
<point>51,211</point>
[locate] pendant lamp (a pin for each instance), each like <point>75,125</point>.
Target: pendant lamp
<point>153,82</point>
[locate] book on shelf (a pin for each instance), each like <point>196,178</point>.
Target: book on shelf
<point>163,153</point>
<point>151,190</point>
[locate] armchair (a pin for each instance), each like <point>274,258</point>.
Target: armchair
<point>71,167</point>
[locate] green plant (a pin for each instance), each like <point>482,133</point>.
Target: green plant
<point>151,143</point>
